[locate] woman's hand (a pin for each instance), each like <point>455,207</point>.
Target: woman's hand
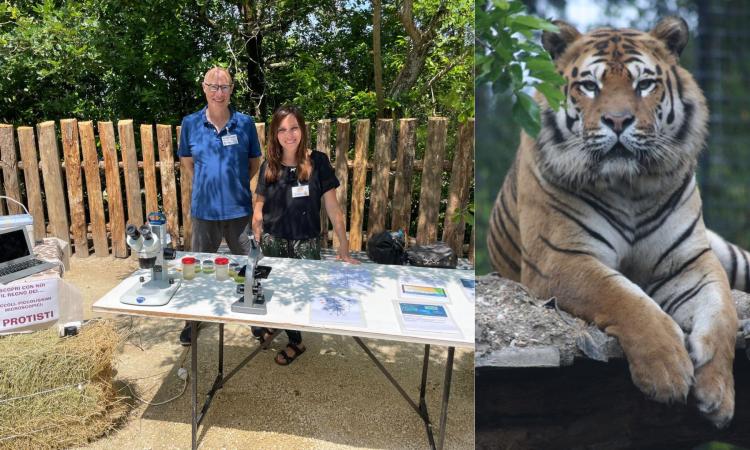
<point>257,220</point>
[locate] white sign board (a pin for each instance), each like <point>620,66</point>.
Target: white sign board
<point>28,303</point>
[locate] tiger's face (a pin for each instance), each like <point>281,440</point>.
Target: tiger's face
<point>631,114</point>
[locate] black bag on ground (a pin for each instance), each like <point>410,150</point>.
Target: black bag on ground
<point>386,247</point>
<point>438,254</point>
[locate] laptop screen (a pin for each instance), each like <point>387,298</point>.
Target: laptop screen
<point>13,245</point>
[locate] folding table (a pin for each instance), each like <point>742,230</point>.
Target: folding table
<point>291,288</point>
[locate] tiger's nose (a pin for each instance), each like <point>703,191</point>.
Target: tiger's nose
<point>618,121</point>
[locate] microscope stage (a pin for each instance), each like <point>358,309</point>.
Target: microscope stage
<point>151,293</point>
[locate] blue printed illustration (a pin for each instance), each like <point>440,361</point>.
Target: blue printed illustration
<point>423,310</point>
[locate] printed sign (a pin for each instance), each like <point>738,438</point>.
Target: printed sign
<point>28,303</point>
<point>469,287</point>
<point>421,289</point>
<point>425,317</point>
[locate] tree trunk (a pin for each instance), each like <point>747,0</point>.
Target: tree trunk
<point>252,59</point>
<point>422,43</point>
<point>377,64</point>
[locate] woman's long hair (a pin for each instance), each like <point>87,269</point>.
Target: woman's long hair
<point>276,151</point>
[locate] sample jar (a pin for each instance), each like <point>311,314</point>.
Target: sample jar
<point>222,268</point>
<point>188,267</point>
<point>208,266</point>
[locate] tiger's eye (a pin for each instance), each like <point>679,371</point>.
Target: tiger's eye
<point>589,86</point>
<point>645,84</point>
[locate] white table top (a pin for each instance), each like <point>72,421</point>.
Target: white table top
<point>290,289</point>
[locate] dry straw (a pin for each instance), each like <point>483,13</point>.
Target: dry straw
<point>58,392</point>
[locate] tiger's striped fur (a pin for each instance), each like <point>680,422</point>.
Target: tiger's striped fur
<point>603,212</point>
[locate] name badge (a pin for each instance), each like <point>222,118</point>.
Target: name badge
<point>300,191</point>
<point>229,139</point>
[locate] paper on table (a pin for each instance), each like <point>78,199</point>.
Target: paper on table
<point>335,309</point>
<point>430,318</point>
<point>469,285</point>
<point>356,278</point>
<point>422,289</point>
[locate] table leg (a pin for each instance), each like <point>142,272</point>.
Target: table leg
<point>446,393</point>
<point>194,380</point>
<point>425,365</point>
<point>221,350</point>
<point>422,392</point>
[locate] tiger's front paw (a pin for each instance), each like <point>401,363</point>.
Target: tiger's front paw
<point>714,391</point>
<point>659,363</point>
<point>711,344</point>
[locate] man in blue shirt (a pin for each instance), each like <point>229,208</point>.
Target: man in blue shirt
<point>220,146</point>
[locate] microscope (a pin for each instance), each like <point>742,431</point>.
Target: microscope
<point>150,243</point>
<point>253,300</point>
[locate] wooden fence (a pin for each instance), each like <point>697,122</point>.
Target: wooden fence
<point>96,211</point>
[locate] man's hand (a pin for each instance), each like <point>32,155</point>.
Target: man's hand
<point>344,256</point>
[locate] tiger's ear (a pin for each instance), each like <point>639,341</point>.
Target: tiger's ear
<point>556,43</point>
<point>673,31</point>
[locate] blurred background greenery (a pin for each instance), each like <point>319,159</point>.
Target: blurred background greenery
<point>717,55</point>
<point>114,59</point>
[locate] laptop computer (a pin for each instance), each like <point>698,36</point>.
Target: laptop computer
<point>16,257</point>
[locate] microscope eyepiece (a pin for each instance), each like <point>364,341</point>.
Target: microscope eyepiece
<point>146,232</point>
<point>132,232</point>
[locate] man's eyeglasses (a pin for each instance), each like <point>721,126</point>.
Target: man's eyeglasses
<point>215,87</point>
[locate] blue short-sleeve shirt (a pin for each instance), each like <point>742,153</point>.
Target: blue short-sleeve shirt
<point>221,180</point>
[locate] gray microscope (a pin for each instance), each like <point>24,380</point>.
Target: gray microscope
<point>150,243</point>
<point>253,300</point>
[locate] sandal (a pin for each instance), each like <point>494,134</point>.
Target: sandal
<point>263,334</point>
<point>285,359</point>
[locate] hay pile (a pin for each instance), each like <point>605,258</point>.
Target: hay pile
<point>58,393</point>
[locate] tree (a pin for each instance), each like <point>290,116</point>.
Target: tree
<point>376,58</point>
<point>509,59</point>
<point>107,59</point>
<point>422,42</point>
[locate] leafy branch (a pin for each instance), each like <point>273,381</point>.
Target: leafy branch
<point>510,60</point>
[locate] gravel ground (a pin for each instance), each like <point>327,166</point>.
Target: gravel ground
<point>509,317</point>
<point>332,397</point>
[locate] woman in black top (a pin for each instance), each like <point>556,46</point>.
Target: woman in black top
<point>286,211</point>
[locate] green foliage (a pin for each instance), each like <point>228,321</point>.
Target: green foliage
<point>508,58</point>
<point>466,213</point>
<point>108,59</point>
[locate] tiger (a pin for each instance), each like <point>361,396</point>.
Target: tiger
<point>602,212</point>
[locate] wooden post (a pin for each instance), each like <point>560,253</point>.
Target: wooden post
<point>168,189</point>
<point>429,198</point>
<point>380,177</point>
<point>324,145</point>
<point>260,129</point>
<point>407,138</point>
<point>114,190</point>
<point>53,185</point>
<point>359,178</point>
<point>72,152</point>
<point>94,188</point>
<point>458,195</point>
<point>27,144</point>
<point>130,168</point>
<point>149,167</point>
<point>186,192</point>
<point>9,165</point>
<point>342,168</point>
